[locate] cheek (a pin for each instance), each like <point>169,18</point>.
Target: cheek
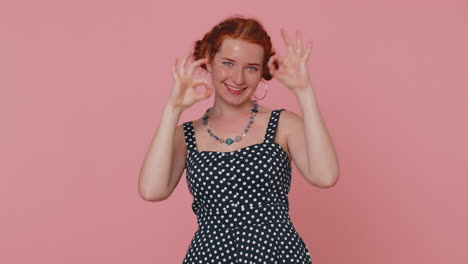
<point>220,73</point>
<point>254,78</point>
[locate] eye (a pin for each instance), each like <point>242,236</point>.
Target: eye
<point>253,68</point>
<point>227,62</point>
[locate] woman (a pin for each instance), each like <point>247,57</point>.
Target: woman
<point>238,170</point>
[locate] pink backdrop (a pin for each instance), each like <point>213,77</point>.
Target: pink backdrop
<point>83,84</point>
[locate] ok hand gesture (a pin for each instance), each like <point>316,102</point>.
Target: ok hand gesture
<point>293,72</point>
<point>183,92</point>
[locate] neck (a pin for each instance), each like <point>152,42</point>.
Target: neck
<point>222,109</point>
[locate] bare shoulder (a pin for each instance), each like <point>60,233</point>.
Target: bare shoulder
<point>289,121</point>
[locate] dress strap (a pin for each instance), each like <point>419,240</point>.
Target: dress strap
<point>189,134</point>
<point>272,125</point>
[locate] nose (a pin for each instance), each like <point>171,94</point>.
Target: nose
<point>238,76</point>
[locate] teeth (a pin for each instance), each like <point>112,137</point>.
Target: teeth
<point>235,89</point>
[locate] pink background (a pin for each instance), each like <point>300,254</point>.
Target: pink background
<point>83,85</point>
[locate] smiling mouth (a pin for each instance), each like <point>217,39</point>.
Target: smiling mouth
<point>234,88</point>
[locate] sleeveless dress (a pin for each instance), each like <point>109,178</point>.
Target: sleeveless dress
<point>241,202</point>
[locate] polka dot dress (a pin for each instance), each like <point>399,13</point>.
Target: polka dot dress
<point>241,203</point>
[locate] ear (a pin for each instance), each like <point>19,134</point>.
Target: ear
<point>208,64</point>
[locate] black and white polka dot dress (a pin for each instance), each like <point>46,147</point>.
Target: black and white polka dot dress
<point>241,203</point>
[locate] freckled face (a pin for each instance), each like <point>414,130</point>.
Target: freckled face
<point>236,69</point>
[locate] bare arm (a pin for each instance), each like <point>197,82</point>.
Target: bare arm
<point>320,166</point>
<point>309,135</point>
<point>165,160</point>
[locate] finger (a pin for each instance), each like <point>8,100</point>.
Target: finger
<point>174,65</point>
<point>271,64</point>
<point>278,61</point>
<point>209,90</point>
<point>285,38</point>
<point>204,82</point>
<point>307,53</point>
<point>196,64</point>
<point>183,65</point>
<point>298,41</point>
<point>201,96</point>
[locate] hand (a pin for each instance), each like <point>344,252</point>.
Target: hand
<point>293,71</point>
<point>183,92</point>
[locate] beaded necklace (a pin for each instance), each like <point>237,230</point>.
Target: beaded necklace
<point>229,141</point>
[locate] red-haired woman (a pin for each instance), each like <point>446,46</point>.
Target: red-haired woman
<point>237,155</point>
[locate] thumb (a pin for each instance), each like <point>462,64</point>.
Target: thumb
<point>203,95</point>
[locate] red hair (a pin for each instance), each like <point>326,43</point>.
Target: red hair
<point>236,27</point>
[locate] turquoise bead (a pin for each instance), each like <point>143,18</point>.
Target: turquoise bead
<point>229,141</point>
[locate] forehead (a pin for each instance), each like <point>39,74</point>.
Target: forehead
<point>240,50</point>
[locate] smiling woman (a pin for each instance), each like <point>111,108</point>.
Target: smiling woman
<point>237,52</point>
<point>236,65</point>
<point>232,68</point>
<point>238,169</point>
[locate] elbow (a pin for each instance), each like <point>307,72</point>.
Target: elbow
<point>331,178</point>
<point>325,178</point>
<point>330,184</point>
<point>152,196</point>
<point>330,181</point>
<point>326,181</point>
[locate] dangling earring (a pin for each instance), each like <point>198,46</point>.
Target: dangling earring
<point>266,91</point>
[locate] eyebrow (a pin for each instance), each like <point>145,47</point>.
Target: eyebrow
<point>247,63</point>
